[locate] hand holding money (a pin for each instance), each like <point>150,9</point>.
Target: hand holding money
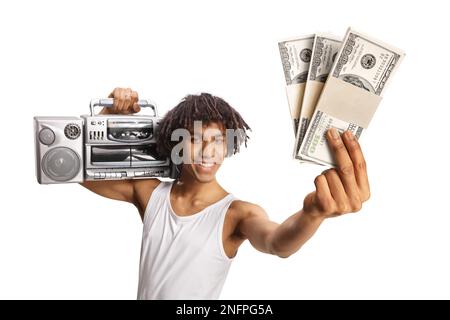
<point>343,189</point>
<point>356,75</point>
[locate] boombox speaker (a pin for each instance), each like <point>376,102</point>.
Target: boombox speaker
<point>59,149</point>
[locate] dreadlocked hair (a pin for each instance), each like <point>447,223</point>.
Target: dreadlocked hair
<point>203,107</point>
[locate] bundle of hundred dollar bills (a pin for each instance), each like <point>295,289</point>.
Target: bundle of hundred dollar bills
<point>337,84</point>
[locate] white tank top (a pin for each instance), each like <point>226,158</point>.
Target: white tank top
<point>182,257</point>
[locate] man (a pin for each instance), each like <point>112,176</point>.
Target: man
<point>193,227</point>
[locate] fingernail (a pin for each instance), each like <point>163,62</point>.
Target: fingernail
<point>334,133</point>
<point>350,135</point>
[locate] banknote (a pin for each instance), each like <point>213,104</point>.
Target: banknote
<point>357,81</point>
<point>295,58</point>
<point>324,53</point>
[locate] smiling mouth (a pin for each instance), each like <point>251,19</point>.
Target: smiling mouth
<point>206,165</point>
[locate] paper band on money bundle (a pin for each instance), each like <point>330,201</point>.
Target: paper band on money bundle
<point>324,52</point>
<point>295,57</point>
<point>351,94</point>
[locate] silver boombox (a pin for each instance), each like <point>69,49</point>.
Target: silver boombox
<point>99,147</point>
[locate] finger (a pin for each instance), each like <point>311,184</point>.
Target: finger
<point>323,197</point>
<point>134,97</point>
<point>134,101</point>
<point>359,164</point>
<point>111,95</point>
<point>344,164</point>
<point>125,100</point>
<point>136,107</point>
<point>337,190</point>
<point>309,202</point>
<point>128,104</point>
<point>121,101</point>
<point>115,96</point>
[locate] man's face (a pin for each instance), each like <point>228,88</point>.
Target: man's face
<point>206,150</point>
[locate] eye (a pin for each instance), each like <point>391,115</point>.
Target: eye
<point>219,139</point>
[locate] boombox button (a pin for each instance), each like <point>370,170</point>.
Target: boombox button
<point>102,175</point>
<point>139,173</point>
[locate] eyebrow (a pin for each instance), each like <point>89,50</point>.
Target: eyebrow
<point>219,134</point>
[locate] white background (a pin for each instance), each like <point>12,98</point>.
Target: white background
<point>62,241</point>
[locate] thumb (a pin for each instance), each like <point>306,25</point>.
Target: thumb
<point>136,107</point>
<point>111,95</point>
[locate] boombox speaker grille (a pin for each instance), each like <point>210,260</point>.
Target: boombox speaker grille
<point>61,164</point>
<point>72,131</point>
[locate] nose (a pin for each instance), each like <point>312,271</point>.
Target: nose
<point>208,150</point>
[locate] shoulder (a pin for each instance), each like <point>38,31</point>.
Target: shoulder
<point>143,190</point>
<point>146,184</point>
<point>240,210</point>
<point>241,213</point>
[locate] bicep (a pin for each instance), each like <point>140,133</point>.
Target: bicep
<point>257,228</point>
<point>122,190</point>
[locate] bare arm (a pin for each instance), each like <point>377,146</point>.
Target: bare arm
<point>122,190</point>
<point>278,239</point>
<point>338,191</point>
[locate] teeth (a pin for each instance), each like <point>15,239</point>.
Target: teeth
<point>207,165</point>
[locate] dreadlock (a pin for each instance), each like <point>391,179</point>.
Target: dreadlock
<point>203,107</point>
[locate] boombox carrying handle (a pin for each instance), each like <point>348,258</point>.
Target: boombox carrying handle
<point>108,103</point>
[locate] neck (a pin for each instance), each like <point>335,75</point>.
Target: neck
<point>188,186</point>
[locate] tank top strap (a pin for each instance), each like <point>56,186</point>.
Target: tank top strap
<point>157,198</point>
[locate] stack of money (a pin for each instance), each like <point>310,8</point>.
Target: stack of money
<point>337,84</point>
